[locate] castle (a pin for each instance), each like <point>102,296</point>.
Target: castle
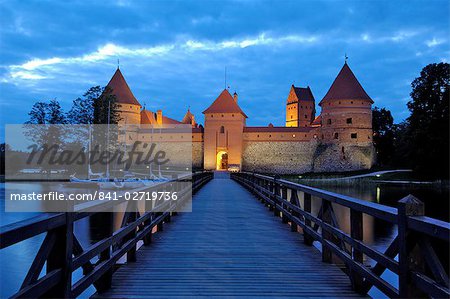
<point>338,139</point>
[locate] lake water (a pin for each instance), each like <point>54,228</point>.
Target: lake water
<point>15,260</point>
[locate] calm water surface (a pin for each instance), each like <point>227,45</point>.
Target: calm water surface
<point>16,260</point>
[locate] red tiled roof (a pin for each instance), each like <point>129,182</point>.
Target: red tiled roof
<point>121,89</point>
<point>303,94</point>
<point>276,129</point>
<point>170,121</point>
<point>147,117</point>
<point>224,104</point>
<point>346,87</point>
<point>187,119</point>
<point>317,121</point>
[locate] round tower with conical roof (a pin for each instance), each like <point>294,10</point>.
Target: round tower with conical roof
<point>346,111</point>
<point>128,106</point>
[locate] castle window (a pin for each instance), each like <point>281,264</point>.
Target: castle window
<point>339,102</point>
<point>301,107</point>
<point>232,115</point>
<point>306,116</point>
<point>291,116</point>
<point>349,120</point>
<point>257,136</point>
<point>323,136</point>
<point>293,135</point>
<point>354,135</point>
<point>212,116</point>
<point>351,102</point>
<point>222,115</point>
<point>131,106</point>
<point>329,121</point>
<point>222,129</point>
<point>336,135</point>
<point>270,136</point>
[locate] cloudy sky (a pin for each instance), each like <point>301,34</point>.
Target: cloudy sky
<point>173,55</point>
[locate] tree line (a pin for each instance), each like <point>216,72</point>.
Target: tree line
<point>421,141</point>
<point>91,108</point>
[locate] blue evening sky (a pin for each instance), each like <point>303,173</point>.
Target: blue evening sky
<point>173,54</point>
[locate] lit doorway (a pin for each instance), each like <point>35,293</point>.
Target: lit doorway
<point>222,160</point>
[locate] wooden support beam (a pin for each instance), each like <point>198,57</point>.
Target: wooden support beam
<point>356,232</point>
<point>409,258</point>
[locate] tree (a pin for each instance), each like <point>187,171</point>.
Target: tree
<point>104,101</point>
<point>38,114</point>
<point>383,139</point>
<point>43,113</point>
<point>82,111</point>
<point>42,127</point>
<point>55,114</point>
<point>429,120</point>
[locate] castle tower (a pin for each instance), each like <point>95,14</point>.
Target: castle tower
<point>189,119</point>
<point>128,106</point>
<point>223,133</point>
<point>346,111</point>
<point>300,107</point>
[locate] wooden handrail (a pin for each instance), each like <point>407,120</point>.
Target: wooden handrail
<point>63,257</point>
<point>414,231</point>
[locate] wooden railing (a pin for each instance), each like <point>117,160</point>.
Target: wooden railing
<point>420,271</point>
<point>62,253</point>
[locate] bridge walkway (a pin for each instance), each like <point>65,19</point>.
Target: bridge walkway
<point>230,245</point>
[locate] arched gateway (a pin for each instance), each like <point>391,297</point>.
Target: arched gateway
<point>223,135</point>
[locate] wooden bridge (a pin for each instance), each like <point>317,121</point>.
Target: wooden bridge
<point>238,242</point>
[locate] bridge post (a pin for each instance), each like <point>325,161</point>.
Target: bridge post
<point>284,196</point>
<point>294,200</point>
<point>326,217</point>
<point>356,232</point>
<point>270,187</point>
<point>409,258</point>
<point>107,221</point>
<point>253,181</point>
<point>275,194</point>
<point>131,254</point>
<point>307,239</point>
<point>60,257</point>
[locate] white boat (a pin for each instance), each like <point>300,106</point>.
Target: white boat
<point>111,185</point>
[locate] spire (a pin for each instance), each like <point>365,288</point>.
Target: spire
<point>346,87</point>
<point>121,90</point>
<point>224,104</point>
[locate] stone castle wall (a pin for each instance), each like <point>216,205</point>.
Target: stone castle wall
<point>301,157</point>
<point>197,155</point>
<point>278,157</point>
<point>343,157</point>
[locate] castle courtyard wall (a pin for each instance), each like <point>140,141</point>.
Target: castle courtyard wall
<point>301,157</point>
<point>278,157</point>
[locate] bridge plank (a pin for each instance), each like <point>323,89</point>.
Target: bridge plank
<point>230,245</point>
